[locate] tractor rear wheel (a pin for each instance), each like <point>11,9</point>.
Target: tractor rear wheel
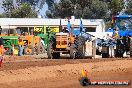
<point>80,46</point>
<point>29,50</point>
<point>49,51</point>
<point>72,51</point>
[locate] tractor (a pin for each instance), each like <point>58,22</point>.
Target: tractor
<point>10,38</point>
<point>31,44</point>
<point>123,24</point>
<point>43,33</point>
<point>67,42</point>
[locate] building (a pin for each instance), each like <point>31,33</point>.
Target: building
<point>91,25</point>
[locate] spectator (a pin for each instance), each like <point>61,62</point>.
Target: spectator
<point>1,51</point>
<point>20,45</point>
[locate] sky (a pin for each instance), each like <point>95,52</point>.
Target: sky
<point>45,7</point>
<point>1,10</point>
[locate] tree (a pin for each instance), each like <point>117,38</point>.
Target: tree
<point>34,3</point>
<point>129,8</point>
<point>99,9</point>
<point>23,10</point>
<point>2,15</point>
<point>7,5</point>
<point>116,6</point>
<point>50,3</point>
<point>12,6</point>
<point>78,8</point>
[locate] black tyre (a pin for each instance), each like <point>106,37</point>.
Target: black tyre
<point>51,54</point>
<point>105,55</point>
<point>8,51</point>
<point>105,52</point>
<point>84,81</point>
<point>72,51</point>
<point>49,51</point>
<point>29,50</point>
<point>118,53</point>
<point>80,47</point>
<point>40,49</point>
<point>56,55</point>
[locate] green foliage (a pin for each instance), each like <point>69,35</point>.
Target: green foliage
<point>2,15</point>
<point>34,3</point>
<point>129,9</point>
<point>99,9</point>
<point>24,10</point>
<point>78,8</point>
<point>116,6</point>
<point>50,3</point>
<point>7,5</point>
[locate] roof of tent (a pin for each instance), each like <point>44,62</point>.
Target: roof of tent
<point>27,22</point>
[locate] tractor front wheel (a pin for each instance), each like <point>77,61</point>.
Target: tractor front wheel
<point>80,46</point>
<point>72,51</point>
<point>29,50</point>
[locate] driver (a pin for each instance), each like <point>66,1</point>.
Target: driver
<point>115,34</point>
<point>65,30</point>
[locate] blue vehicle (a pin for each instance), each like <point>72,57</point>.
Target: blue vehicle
<point>123,24</point>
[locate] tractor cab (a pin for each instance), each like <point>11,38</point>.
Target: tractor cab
<point>123,23</point>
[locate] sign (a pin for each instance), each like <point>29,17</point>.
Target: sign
<point>37,29</point>
<point>55,29</point>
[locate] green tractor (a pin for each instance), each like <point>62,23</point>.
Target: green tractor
<point>10,39</point>
<point>45,34</point>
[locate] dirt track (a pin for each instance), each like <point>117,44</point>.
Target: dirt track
<point>27,72</point>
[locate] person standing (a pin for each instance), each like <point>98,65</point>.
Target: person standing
<point>1,50</point>
<point>20,45</point>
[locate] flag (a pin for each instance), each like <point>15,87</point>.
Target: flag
<point>43,29</point>
<point>81,25</point>
<point>68,25</point>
